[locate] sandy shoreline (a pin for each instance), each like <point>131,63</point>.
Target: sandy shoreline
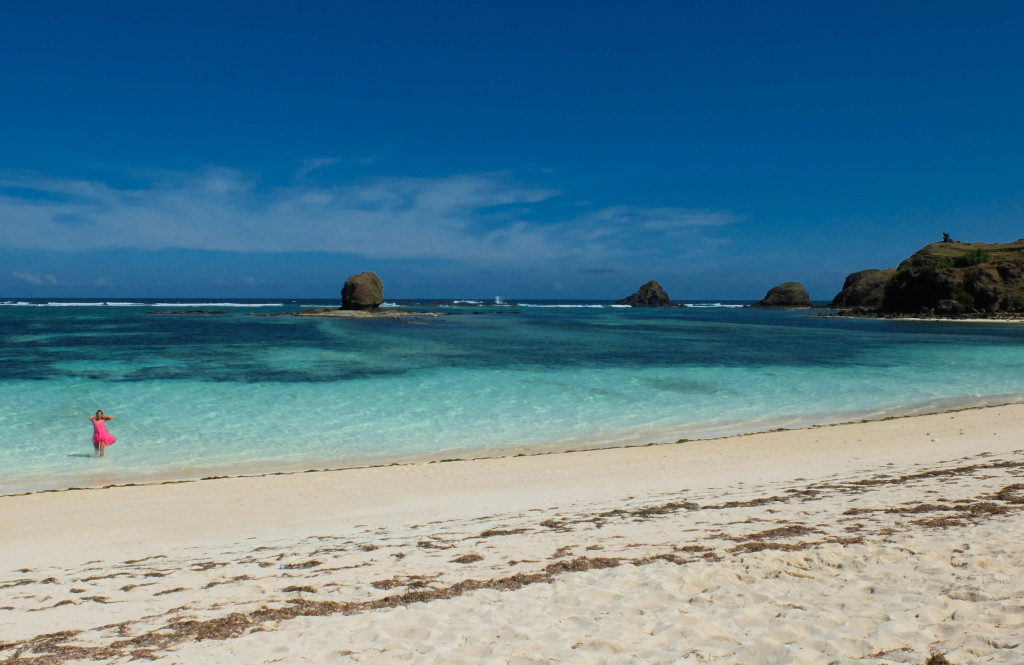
<point>690,433</point>
<point>876,542</point>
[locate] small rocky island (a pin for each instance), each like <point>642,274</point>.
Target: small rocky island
<point>649,295</point>
<point>946,279</point>
<point>788,295</point>
<point>361,298</point>
<point>362,291</point>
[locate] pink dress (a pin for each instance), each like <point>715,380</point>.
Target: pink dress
<point>100,433</point>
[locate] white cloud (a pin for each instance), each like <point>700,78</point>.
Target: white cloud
<point>31,278</point>
<point>482,218</point>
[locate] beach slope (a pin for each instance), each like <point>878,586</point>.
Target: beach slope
<point>875,542</point>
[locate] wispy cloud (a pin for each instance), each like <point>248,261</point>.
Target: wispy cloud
<point>482,218</point>
<point>32,278</point>
<point>310,165</point>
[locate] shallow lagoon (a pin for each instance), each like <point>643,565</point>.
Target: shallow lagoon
<point>195,395</point>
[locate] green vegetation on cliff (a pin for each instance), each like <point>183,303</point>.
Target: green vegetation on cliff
<point>955,278</point>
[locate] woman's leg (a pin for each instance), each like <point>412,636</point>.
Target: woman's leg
<point>101,447</point>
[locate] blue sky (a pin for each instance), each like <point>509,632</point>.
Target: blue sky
<point>521,149</point>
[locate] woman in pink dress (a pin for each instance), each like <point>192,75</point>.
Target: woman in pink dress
<point>101,438</point>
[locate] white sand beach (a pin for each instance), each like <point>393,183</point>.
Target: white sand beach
<point>874,542</point>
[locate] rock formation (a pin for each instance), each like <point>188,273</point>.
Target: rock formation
<point>362,291</point>
<point>864,289</point>
<point>649,295</point>
<point>789,295</point>
<point>955,278</point>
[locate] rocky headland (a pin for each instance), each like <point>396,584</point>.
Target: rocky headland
<point>864,289</point>
<point>946,279</point>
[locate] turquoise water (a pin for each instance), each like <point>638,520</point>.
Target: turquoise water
<point>203,394</point>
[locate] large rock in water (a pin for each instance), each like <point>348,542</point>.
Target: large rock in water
<point>865,289</point>
<point>789,295</point>
<point>957,278</point>
<point>362,291</point>
<point>649,295</point>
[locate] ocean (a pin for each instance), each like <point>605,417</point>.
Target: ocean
<point>253,391</point>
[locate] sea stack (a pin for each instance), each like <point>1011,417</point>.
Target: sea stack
<point>649,295</point>
<point>788,295</point>
<point>362,291</point>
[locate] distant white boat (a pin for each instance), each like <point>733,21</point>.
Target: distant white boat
<point>498,300</point>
